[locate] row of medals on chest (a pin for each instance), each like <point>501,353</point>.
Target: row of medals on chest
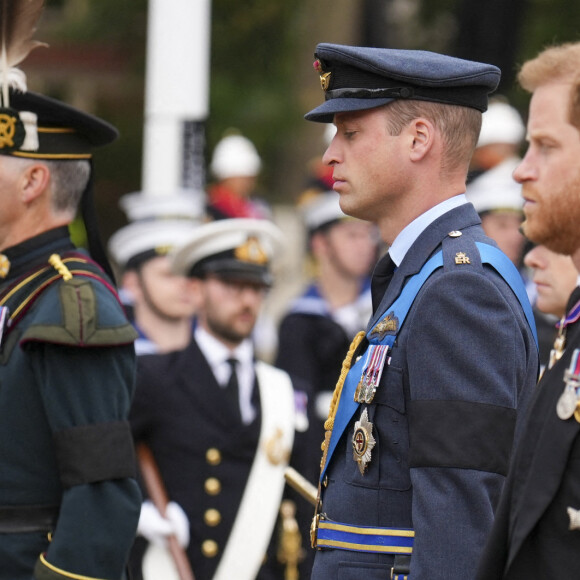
<point>363,441</point>
<point>569,402</point>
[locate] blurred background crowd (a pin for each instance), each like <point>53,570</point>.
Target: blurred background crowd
<point>261,52</point>
<point>259,60</point>
<point>252,156</point>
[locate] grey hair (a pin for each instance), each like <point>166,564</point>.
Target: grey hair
<point>68,181</point>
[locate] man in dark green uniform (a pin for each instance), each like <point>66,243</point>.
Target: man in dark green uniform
<point>69,504</point>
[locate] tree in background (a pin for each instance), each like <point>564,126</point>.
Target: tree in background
<point>261,76</point>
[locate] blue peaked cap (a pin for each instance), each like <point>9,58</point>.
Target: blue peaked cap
<point>358,78</point>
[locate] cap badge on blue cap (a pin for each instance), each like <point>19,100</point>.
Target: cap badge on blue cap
<point>324,76</point>
<point>251,251</point>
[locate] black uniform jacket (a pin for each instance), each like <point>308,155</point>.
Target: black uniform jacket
<point>204,455</point>
<point>531,537</point>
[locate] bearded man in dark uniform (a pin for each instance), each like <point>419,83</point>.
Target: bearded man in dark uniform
<point>219,423</point>
<point>536,534</point>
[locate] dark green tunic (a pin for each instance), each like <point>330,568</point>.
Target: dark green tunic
<point>66,381</point>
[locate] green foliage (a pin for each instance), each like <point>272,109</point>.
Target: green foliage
<point>255,47</point>
<point>252,58</point>
<point>103,21</point>
<point>549,22</point>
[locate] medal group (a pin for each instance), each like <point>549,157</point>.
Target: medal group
<point>569,402</point>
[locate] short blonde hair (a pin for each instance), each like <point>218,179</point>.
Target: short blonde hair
<point>556,63</point>
<point>460,127</point>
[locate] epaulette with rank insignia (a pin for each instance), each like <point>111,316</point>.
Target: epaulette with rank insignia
<point>78,324</point>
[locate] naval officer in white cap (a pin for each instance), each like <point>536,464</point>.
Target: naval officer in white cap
<point>220,423</point>
<point>160,302</point>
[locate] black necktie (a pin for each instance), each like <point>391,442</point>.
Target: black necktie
<point>233,389</point>
<point>382,275</point>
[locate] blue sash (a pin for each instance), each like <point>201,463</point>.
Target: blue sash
<point>400,308</point>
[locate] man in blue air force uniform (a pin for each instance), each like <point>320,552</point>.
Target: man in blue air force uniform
<point>421,427</point>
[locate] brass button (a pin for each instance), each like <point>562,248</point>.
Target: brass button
<point>212,517</point>
<point>209,548</point>
<point>455,234</point>
<point>325,481</point>
<point>212,486</point>
<point>4,266</point>
<point>213,456</point>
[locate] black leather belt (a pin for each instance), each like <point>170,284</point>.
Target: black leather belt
<point>27,518</point>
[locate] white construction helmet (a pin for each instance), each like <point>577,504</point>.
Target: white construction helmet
<point>235,156</point>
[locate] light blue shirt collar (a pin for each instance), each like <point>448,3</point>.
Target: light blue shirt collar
<point>410,233</point>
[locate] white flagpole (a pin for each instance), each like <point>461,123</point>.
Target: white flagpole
<point>176,95</point>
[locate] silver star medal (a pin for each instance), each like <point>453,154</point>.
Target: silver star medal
<point>363,441</point>
<point>569,398</point>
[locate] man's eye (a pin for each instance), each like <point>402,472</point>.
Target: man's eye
<point>545,146</point>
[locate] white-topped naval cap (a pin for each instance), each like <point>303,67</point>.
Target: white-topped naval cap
<point>234,246</point>
<point>496,189</point>
<point>322,209</point>
<point>149,238</point>
<point>501,123</point>
<point>235,156</point>
<point>180,204</point>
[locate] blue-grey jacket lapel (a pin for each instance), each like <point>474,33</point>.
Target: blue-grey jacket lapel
<point>424,247</point>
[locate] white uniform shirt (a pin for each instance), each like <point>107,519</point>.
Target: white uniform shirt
<point>217,355</point>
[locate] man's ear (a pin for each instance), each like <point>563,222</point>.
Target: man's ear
<point>423,134</point>
<point>130,283</point>
<point>197,289</point>
<point>34,182</point>
<point>318,244</point>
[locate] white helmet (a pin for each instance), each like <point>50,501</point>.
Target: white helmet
<point>235,156</point>
<point>501,123</point>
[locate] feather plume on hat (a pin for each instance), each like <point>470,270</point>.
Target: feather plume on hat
<point>18,20</point>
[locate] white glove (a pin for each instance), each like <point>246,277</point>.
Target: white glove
<point>155,528</point>
<point>179,521</point>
